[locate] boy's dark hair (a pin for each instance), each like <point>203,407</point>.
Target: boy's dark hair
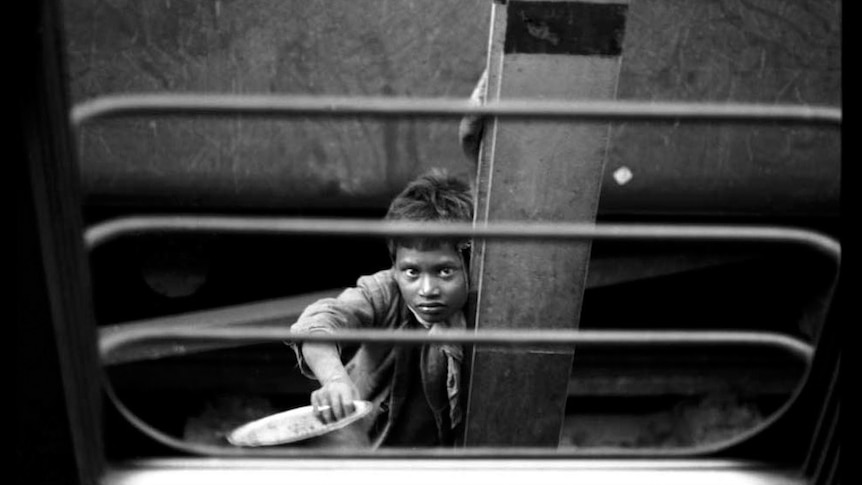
<point>434,196</point>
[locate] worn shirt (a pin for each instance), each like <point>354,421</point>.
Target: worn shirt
<point>472,127</point>
<point>385,374</point>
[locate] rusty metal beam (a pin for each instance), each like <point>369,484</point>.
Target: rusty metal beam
<point>537,171</point>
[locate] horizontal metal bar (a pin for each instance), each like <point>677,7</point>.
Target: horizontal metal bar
<point>103,232</point>
<point>795,347</point>
<point>270,105</point>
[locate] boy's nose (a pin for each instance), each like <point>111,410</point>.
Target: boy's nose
<point>427,286</point>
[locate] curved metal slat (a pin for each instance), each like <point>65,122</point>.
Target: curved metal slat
<point>267,105</point>
<point>103,232</point>
<point>124,337</point>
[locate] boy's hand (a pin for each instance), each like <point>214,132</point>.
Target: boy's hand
<point>334,400</point>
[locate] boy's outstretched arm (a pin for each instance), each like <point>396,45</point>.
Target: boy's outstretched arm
<point>334,399</point>
<point>358,307</point>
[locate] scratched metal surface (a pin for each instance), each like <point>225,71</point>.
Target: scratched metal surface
<point>757,51</point>
<point>770,51</point>
<point>338,47</point>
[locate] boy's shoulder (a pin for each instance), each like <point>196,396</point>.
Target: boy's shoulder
<point>381,290</point>
<point>382,282</point>
<point>383,277</point>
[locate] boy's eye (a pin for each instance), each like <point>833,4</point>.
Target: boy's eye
<point>411,272</point>
<point>447,272</point>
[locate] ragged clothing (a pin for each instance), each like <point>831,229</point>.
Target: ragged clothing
<point>472,127</point>
<point>413,389</point>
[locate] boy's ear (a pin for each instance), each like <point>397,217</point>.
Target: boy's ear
<point>465,249</point>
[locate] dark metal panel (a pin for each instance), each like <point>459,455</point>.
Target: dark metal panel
<point>568,28</point>
<point>57,410</point>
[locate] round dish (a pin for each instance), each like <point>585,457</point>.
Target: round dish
<point>289,426</point>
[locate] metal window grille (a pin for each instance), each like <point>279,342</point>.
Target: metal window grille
<point>279,106</point>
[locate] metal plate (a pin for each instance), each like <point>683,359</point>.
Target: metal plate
<point>290,426</point>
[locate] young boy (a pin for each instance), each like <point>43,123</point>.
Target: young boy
<point>414,389</point>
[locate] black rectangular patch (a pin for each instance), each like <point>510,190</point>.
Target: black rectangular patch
<point>574,28</point>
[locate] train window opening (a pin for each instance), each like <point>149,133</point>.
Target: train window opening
<point>699,338</point>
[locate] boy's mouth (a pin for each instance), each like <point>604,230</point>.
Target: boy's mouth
<point>431,308</point>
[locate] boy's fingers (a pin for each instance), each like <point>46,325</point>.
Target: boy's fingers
<point>345,407</point>
<point>315,403</point>
<point>349,408</point>
<point>325,414</point>
<point>339,407</point>
<point>332,404</point>
<point>320,409</point>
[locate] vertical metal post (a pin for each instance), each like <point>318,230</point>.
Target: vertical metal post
<point>537,171</point>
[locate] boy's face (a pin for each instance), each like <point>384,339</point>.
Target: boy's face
<point>433,282</point>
